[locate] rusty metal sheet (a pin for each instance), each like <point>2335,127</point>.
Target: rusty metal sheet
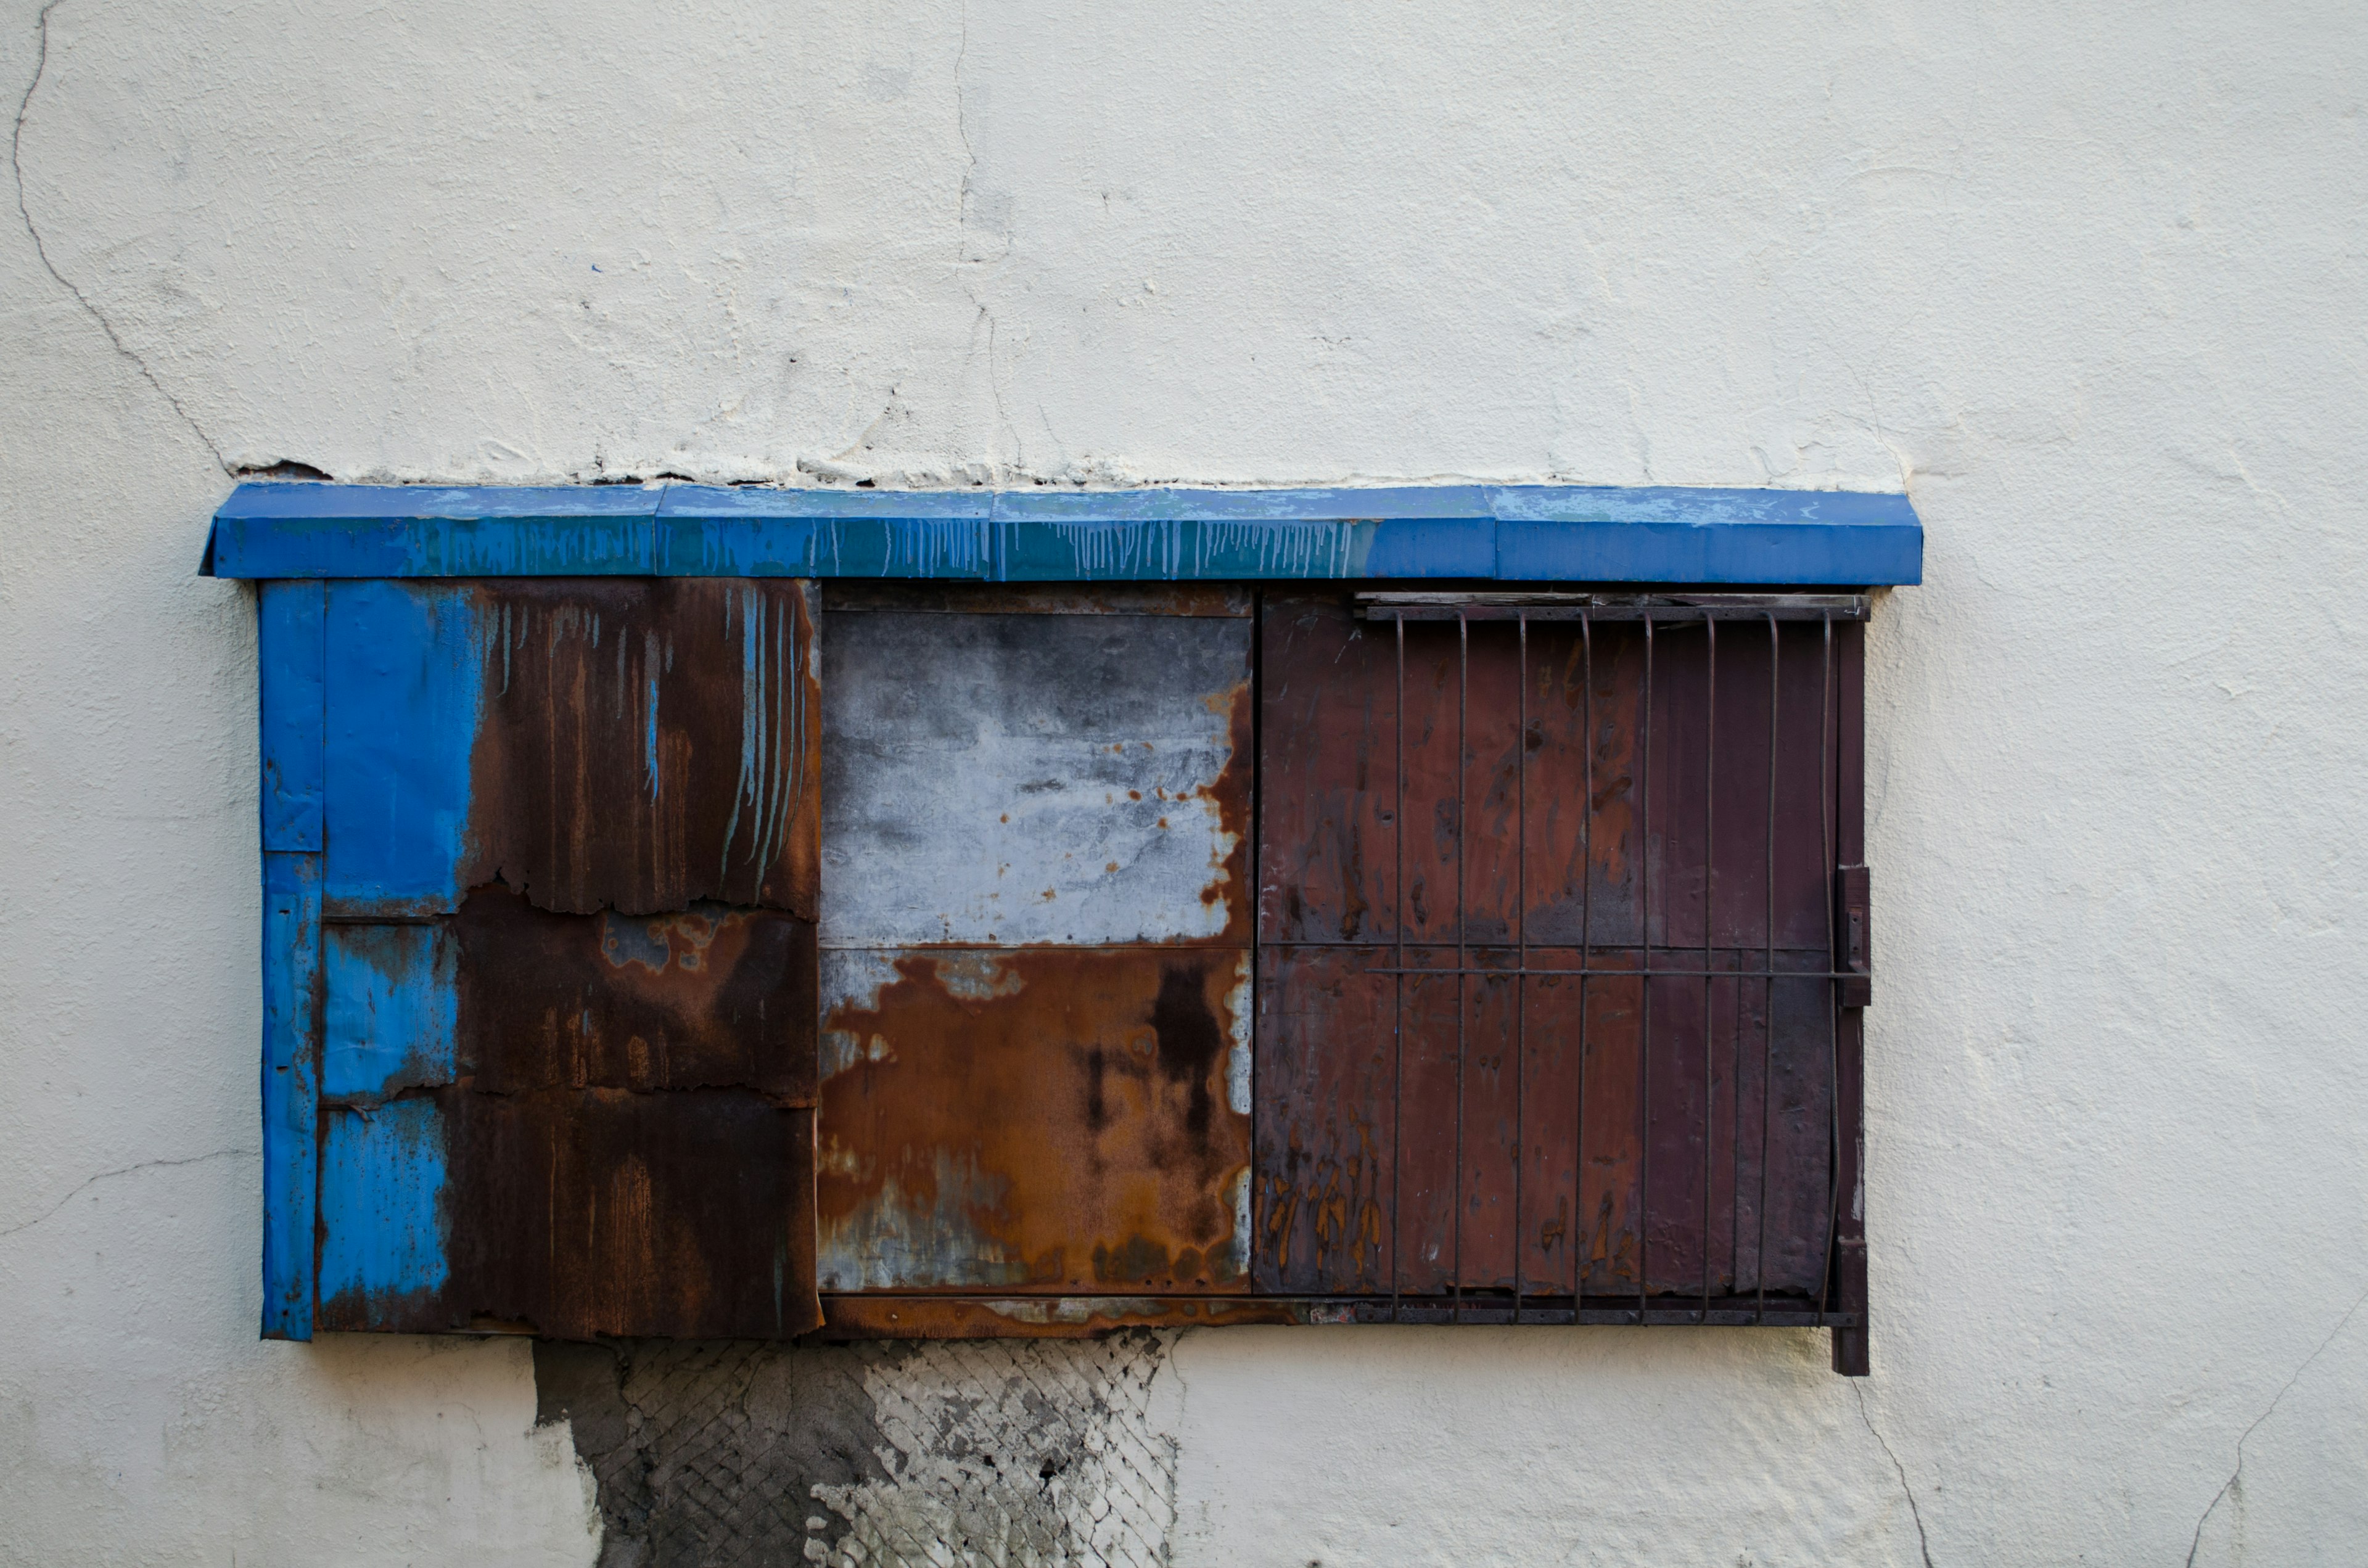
<point>572,1212</point>
<point>711,998</point>
<point>590,1124</point>
<point>1040,1120</point>
<point>1022,778</point>
<point>638,745</point>
<point>569,977</point>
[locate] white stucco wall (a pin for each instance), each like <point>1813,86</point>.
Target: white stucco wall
<point>2093,286</point>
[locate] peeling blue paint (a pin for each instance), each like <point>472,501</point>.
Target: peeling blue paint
<point>384,1231</point>
<point>392,1006</point>
<point>291,960</point>
<point>1572,533</point>
<point>405,690</point>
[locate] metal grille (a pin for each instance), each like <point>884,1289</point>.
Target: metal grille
<point>1665,953</point>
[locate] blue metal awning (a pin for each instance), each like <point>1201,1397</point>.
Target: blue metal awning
<point>1510,533</point>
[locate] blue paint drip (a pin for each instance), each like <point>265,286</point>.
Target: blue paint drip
<point>406,676</point>
<point>384,1232</point>
<point>393,997</point>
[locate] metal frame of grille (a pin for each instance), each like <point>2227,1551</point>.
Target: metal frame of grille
<point>1839,1301</point>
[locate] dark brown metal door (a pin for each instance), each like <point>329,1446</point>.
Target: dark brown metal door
<point>1548,1021</point>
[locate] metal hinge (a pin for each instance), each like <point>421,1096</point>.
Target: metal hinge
<point>1853,940</point>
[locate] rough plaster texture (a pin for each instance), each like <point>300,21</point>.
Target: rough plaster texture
<point>2088,282</point>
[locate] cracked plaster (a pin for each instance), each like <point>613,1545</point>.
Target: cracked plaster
<point>2092,291</point>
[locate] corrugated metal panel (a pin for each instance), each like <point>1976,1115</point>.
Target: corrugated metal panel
<point>577,1096</point>
<point>603,743</point>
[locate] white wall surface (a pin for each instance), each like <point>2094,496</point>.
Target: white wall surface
<point>2091,283</point>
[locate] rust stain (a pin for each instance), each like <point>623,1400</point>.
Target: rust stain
<point>647,743</point>
<point>1232,792</point>
<point>586,1212</point>
<point>1064,1127</point>
<point>711,998</point>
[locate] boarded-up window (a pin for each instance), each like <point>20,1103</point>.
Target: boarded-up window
<point>995,960</point>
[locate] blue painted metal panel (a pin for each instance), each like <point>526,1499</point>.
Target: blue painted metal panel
<point>405,683</point>
<point>390,1009</point>
<point>291,621</point>
<point>385,1234</point>
<point>1516,532</point>
<point>292,960</point>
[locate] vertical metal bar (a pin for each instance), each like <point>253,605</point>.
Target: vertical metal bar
<point>1522,974</point>
<point>1850,1346</point>
<point>1645,990</point>
<point>1833,985</point>
<point>1767,1022</point>
<point>1579,1227</point>
<point>1463,918</point>
<point>1710,836</point>
<point>1398,1003</point>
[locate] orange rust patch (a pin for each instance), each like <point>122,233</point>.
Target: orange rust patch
<point>1067,1132</point>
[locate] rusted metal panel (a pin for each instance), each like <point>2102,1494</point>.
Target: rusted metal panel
<point>711,998</point>
<point>1062,1120</point>
<point>1458,818</point>
<point>577,1096</point>
<point>586,1123</point>
<point>638,744</point>
<point>574,1212</point>
<point>1009,780</point>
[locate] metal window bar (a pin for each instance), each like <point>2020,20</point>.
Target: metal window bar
<point>1577,1236</point>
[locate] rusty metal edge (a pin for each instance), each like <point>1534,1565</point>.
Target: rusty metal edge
<point>864,1315</point>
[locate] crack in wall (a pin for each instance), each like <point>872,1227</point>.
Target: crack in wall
<point>962,129</point>
<point>91,1181</point>
<point>40,248</point>
<point>1923,1541</point>
<point>2196,1544</point>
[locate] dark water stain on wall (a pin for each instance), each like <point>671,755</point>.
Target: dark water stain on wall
<point>734,1453</point>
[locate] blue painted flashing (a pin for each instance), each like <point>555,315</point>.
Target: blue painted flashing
<point>1530,533</point>
<point>291,968</point>
<point>291,635</point>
